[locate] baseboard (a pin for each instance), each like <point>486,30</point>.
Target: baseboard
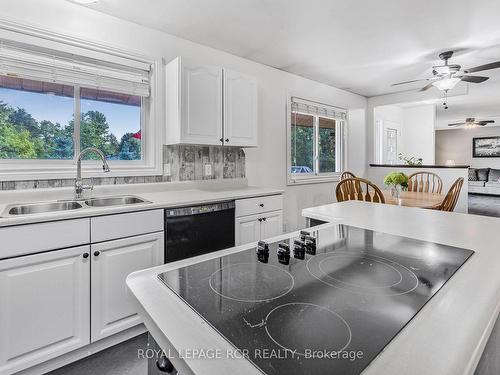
<point>84,352</point>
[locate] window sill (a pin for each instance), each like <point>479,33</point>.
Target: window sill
<point>305,180</point>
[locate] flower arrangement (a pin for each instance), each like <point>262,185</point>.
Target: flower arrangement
<point>410,160</point>
<point>397,179</point>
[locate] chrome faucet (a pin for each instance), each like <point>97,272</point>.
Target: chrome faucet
<point>79,186</point>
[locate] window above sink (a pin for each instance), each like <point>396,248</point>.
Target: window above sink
<point>54,103</point>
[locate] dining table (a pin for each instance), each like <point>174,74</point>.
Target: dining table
<point>414,199</point>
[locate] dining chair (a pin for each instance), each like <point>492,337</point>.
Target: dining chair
<point>425,182</point>
<point>346,174</point>
<point>450,200</point>
<point>360,189</point>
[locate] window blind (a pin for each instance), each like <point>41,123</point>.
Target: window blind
<point>54,67</point>
<point>317,109</point>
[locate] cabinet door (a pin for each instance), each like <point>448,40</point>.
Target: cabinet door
<point>201,93</point>
<point>44,307</point>
<point>272,225</point>
<point>240,109</point>
<point>247,229</point>
<point>113,310</point>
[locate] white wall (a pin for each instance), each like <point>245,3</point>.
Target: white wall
<point>389,117</point>
<point>266,165</point>
<point>456,144</point>
<point>432,97</point>
<point>418,132</point>
<point>415,126</point>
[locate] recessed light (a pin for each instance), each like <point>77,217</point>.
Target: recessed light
<point>85,1</point>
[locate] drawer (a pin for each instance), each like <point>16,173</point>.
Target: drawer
<point>35,238</point>
<point>252,206</point>
<point>104,228</point>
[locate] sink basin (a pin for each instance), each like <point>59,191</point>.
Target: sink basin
<point>115,201</point>
<point>38,208</point>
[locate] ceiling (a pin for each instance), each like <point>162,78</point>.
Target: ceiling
<point>362,46</point>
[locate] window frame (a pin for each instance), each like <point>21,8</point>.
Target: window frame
<point>340,146</point>
<point>151,114</point>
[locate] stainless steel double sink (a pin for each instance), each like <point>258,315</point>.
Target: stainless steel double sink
<point>66,205</point>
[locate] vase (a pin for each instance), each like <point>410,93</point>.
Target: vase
<point>396,191</point>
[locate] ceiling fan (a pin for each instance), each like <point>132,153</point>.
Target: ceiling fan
<point>446,76</point>
<point>471,122</point>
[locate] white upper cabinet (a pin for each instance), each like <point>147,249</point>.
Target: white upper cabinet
<point>240,109</point>
<point>193,103</point>
<point>209,105</point>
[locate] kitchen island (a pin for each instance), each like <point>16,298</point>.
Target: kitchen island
<point>447,336</point>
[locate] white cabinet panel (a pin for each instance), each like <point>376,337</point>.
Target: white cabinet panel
<point>240,109</point>
<point>251,206</point>
<point>104,228</point>
<point>45,307</point>
<point>201,104</point>
<point>247,229</point>
<point>35,238</point>
<point>112,308</point>
<point>272,224</point>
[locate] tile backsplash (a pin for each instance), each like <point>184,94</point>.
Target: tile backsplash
<point>187,163</point>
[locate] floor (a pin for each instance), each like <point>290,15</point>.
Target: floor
<point>122,359</point>
<point>487,205</point>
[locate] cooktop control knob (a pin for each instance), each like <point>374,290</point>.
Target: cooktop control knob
<point>303,235</point>
<point>283,253</point>
<point>262,251</point>
<point>299,249</point>
<point>310,245</point>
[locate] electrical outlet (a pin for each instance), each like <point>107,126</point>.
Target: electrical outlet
<point>167,169</point>
<point>208,169</point>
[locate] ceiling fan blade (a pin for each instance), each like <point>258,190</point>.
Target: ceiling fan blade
<point>493,65</point>
<point>405,82</point>
<point>457,124</point>
<point>474,79</point>
<point>426,87</point>
<point>482,123</point>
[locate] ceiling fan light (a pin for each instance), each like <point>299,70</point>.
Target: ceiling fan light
<point>446,84</point>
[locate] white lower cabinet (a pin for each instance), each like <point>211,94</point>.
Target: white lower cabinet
<point>44,307</point>
<point>112,307</point>
<point>253,228</point>
<point>247,229</point>
<point>272,224</point>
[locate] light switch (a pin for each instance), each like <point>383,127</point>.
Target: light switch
<point>208,169</point>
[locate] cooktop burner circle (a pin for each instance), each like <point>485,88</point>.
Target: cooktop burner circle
<point>379,274</point>
<point>362,274</point>
<point>299,327</point>
<point>251,282</point>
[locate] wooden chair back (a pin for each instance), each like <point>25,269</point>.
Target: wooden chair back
<point>450,200</point>
<point>426,182</point>
<point>360,189</point>
<point>347,174</point>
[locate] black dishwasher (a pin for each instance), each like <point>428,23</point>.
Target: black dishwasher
<point>192,231</point>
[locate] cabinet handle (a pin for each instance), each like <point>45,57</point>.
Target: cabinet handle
<point>96,253</point>
<point>85,255</point>
<point>261,205</point>
<point>227,140</point>
<point>263,219</point>
<point>260,219</point>
<point>222,139</point>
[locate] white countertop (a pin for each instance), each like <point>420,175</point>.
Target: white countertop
<point>160,195</point>
<point>446,337</point>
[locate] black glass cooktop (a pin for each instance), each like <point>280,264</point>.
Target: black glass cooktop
<point>325,302</point>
